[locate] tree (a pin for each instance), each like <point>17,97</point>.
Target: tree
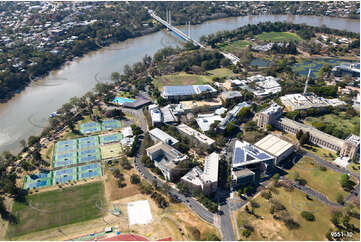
<point>308,216</point>
<point>299,134</point>
<point>304,138</point>
<point>115,77</point>
<point>339,198</point>
<point>134,179</point>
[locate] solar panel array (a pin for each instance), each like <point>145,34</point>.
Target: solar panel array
<point>179,90</point>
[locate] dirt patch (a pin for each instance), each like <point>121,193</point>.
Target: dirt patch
<point>268,229</point>
<point>113,192</point>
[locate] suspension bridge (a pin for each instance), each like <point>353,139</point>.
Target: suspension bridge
<point>187,37</point>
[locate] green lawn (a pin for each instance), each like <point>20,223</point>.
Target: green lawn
<point>326,182</point>
<point>278,36</point>
<point>183,78</point>
<point>295,202</point>
<point>233,46</point>
<point>339,121</point>
<point>60,207</point>
<point>321,152</point>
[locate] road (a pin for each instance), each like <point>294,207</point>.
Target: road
<point>190,202</point>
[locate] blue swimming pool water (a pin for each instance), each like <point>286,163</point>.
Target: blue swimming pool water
<point>121,100</point>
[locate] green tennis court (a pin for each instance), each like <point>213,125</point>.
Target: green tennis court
<point>89,155</point>
<point>66,146</point>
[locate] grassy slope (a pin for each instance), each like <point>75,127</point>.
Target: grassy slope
<point>278,36</point>
<point>295,202</point>
<point>326,182</point>
<point>235,45</point>
<point>183,78</point>
<point>60,207</point>
<point>340,121</point>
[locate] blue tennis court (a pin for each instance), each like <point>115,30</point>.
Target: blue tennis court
<point>121,100</point>
<point>89,171</point>
<point>86,152</point>
<point>65,175</point>
<point>110,138</point>
<point>38,180</point>
<point>87,146</point>
<point>88,158</point>
<point>65,148</point>
<point>66,142</point>
<point>111,124</point>
<point>65,162</point>
<point>89,139</point>
<point>87,167</point>
<point>90,127</point>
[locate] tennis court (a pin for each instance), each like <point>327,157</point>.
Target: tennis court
<point>89,171</point>
<point>65,159</point>
<point>66,146</point>
<point>89,140</point>
<point>110,150</point>
<point>64,175</point>
<point>89,155</point>
<point>90,127</point>
<point>105,139</point>
<point>43,179</point>
<point>111,124</point>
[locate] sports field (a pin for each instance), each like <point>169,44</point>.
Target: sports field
<point>234,45</point>
<point>278,36</point>
<point>110,150</point>
<point>56,208</point>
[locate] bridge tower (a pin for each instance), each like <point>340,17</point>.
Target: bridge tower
<point>308,77</point>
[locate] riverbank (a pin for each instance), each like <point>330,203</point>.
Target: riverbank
<point>27,112</point>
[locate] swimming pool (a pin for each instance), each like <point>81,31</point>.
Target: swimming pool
<point>121,100</point>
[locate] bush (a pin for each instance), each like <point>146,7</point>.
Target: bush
<point>339,198</point>
<point>308,216</point>
<point>134,179</point>
<point>246,233</point>
<point>277,204</point>
<point>291,224</point>
<point>266,195</point>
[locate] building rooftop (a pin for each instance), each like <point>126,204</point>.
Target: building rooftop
<point>205,121</point>
<point>168,116</point>
<point>242,173</point>
<point>353,139</point>
<point>209,174</point>
<point>273,145</point>
<point>186,90</point>
<point>194,133</point>
<point>167,154</point>
<point>231,94</point>
<point>246,154</point>
<point>309,100</point>
<point>233,113</point>
<point>274,108</point>
<point>163,136</point>
<point>306,128</point>
<point>127,132</point>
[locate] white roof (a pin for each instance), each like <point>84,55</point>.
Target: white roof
<point>139,212</point>
<point>163,136</point>
<point>206,120</point>
<point>211,167</point>
<point>273,145</point>
<point>194,133</point>
<point>127,132</point>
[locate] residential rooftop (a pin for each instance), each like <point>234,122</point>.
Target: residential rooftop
<point>194,133</point>
<point>163,136</point>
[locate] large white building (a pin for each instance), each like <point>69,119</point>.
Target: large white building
<point>248,161</point>
<point>166,158</point>
<point>206,180</point>
<point>197,136</point>
<point>186,91</point>
<point>275,146</point>
<point>300,101</point>
<point>205,121</point>
<point>159,135</point>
